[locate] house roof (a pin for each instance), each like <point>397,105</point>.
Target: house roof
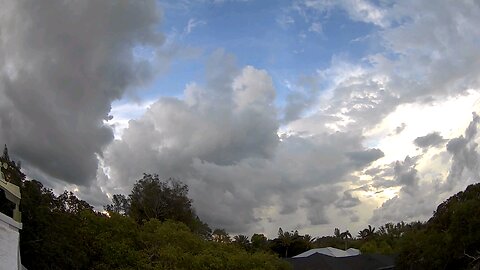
<point>329,251</point>
<point>359,262</point>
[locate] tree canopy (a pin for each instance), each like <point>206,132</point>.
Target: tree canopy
<point>64,232</point>
<point>450,239</point>
<point>155,227</point>
<point>152,197</point>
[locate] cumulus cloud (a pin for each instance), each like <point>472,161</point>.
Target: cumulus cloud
<point>363,158</point>
<point>62,64</point>
<point>301,98</point>
<point>465,158</point>
<point>429,140</point>
<point>363,94</point>
<point>416,200</point>
<point>221,139</point>
<point>347,200</point>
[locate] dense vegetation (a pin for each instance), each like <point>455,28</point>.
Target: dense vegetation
<point>450,239</point>
<point>155,227</point>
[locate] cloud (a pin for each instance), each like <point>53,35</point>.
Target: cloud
<point>417,199</point>
<point>465,158</point>
<point>411,69</point>
<point>62,64</point>
<point>429,140</point>
<point>316,27</point>
<point>347,200</point>
<point>221,136</point>
<point>324,126</point>
<point>406,175</point>
<point>358,10</point>
<point>284,21</point>
<point>221,139</point>
<point>192,24</point>
<point>302,97</point>
<point>248,163</point>
<point>363,158</point>
<point>229,120</point>
<point>400,128</point>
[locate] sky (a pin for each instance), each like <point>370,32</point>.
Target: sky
<point>308,115</point>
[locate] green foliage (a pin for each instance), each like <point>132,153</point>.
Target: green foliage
<point>450,239</point>
<point>259,242</point>
<point>155,227</point>
<point>329,241</point>
<point>159,199</point>
<point>221,236</point>
<point>367,233</point>
<point>377,246</point>
<point>387,239</point>
<point>289,244</point>
<point>63,232</point>
<point>242,241</point>
<point>120,205</point>
<point>49,238</point>
<point>153,198</point>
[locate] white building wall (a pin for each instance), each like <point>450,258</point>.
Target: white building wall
<point>9,243</point>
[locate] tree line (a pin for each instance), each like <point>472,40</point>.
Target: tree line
<point>156,227</point>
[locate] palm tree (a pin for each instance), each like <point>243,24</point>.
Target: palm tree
<point>371,230</point>
<point>309,238</point>
<point>367,232</point>
<point>336,232</point>
<point>363,234</point>
<point>286,239</point>
<point>345,236</point>
<point>242,241</point>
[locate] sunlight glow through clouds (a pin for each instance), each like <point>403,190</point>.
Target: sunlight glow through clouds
<point>123,113</point>
<point>446,117</point>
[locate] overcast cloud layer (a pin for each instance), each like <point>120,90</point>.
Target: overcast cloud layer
<point>343,147</point>
<point>62,65</point>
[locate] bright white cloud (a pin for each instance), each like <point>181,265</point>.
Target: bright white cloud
<point>123,113</point>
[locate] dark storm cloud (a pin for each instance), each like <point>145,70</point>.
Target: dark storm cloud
<point>429,140</point>
<point>62,64</point>
<point>363,158</point>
